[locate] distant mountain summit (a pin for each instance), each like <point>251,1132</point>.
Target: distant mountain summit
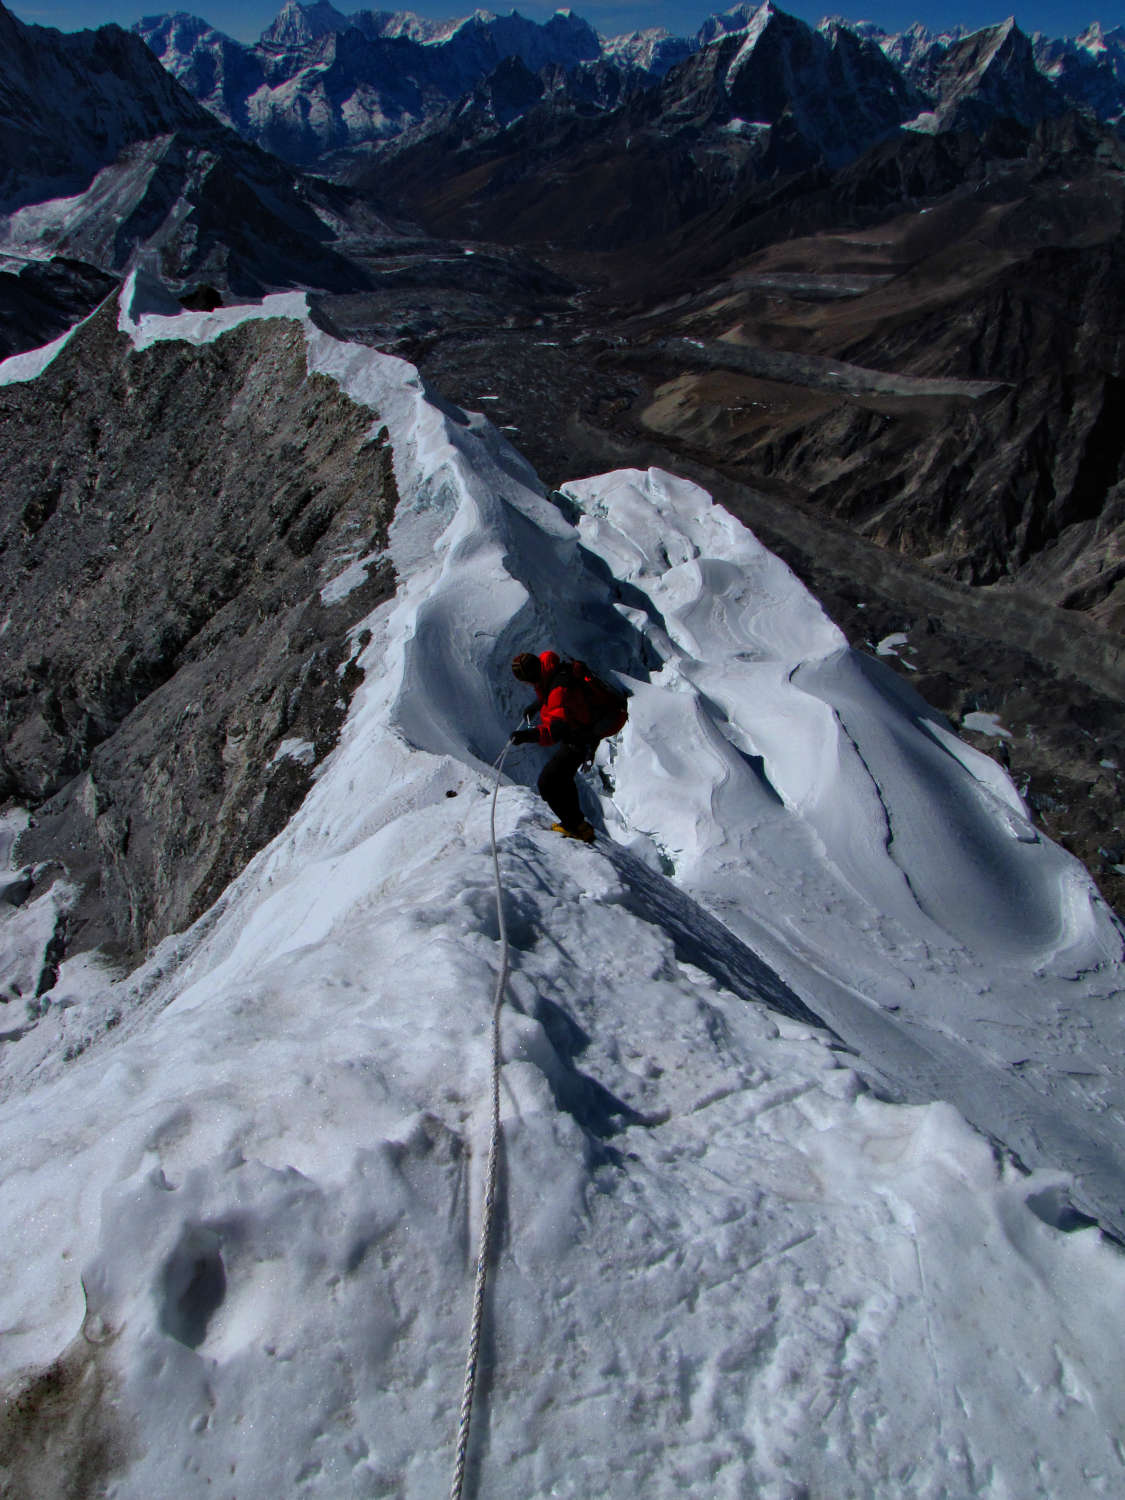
<point>604,169</point>
<point>1088,70</point>
<point>738,18</point>
<point>216,70</point>
<point>299,25</point>
<point>839,91</point>
<point>988,75</point>
<point>904,48</point>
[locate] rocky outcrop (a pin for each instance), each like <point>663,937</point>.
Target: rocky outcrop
<point>174,667</point>
<point>74,102</point>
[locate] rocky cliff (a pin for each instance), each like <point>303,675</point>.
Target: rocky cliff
<point>174,526</point>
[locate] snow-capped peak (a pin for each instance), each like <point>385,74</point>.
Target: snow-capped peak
<point>296,24</point>
<point>753,30</point>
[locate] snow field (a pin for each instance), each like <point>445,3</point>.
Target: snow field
<point>724,1265</point>
<point>886,870</point>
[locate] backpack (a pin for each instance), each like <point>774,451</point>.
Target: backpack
<point>609,706</point>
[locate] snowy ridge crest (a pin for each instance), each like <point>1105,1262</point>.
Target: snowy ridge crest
<point>276,1155</point>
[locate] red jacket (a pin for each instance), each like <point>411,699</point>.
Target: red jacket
<point>560,704</point>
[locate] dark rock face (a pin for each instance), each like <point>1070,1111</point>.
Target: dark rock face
<point>842,92</point>
<point>44,298</point>
<point>73,103</point>
<point>195,211</point>
<point>512,90</point>
<point>986,76</point>
<point>171,673</point>
<point>58,1429</point>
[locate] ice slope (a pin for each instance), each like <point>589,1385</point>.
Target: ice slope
<point>247,1177</point>
<point>837,824</point>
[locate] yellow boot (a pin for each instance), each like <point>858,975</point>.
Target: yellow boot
<point>584,831</point>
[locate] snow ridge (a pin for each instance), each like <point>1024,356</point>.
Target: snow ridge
<point>254,1194</point>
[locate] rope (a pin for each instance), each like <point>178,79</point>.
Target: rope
<point>489,1205</point>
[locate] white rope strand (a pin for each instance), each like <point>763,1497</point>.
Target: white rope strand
<point>484,1243</point>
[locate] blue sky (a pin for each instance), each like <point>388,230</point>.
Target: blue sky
<point>247,21</point>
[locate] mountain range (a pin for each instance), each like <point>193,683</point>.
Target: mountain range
<point>318,81</point>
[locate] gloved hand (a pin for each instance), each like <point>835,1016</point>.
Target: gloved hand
<point>532,709</point>
<point>525,737</point>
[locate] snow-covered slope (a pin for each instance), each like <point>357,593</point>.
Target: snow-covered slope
<point>215,69</point>
<point>73,103</point>
<point>247,1177</point>
<point>110,162</point>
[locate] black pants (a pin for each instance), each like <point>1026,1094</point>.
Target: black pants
<point>556,784</point>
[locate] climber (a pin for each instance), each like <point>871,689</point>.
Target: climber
<point>576,710</point>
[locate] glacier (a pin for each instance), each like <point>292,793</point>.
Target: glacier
<point>811,1084</point>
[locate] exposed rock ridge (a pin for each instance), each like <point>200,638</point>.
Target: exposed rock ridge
<point>988,75</point>
<point>172,671</point>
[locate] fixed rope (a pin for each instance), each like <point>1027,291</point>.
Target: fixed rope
<point>489,1204</point>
